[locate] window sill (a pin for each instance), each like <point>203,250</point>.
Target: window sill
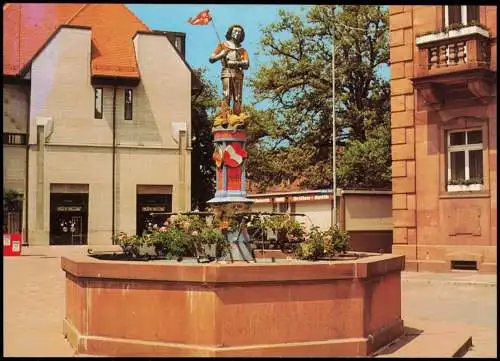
<point>466,194</point>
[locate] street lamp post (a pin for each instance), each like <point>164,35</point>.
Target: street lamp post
<point>334,138</point>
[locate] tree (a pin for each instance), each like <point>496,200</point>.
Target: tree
<point>297,82</point>
<point>202,167</point>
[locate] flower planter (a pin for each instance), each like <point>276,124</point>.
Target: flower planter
<point>464,187</point>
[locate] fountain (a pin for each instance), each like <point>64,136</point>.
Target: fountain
<point>243,308</point>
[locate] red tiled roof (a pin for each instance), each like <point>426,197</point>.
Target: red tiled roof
<point>28,27</point>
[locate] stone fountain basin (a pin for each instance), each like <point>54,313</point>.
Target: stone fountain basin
<point>294,308</point>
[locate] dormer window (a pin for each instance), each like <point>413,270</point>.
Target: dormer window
<point>178,43</point>
<point>460,14</point>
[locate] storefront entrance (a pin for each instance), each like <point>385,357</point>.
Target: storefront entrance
<point>150,203</point>
<point>68,218</point>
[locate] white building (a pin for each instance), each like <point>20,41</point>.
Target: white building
<point>97,117</point>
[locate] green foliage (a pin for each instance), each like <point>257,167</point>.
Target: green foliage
<point>461,181</point>
<point>174,242</point>
<point>323,244</point>
<point>367,164</point>
<point>182,236</point>
<point>129,244</point>
<point>12,200</point>
<point>294,138</point>
<point>211,237</point>
<point>335,241</point>
<point>202,167</point>
<point>312,248</point>
<point>192,236</point>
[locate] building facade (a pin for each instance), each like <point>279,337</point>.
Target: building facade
<point>444,136</point>
<point>97,117</point>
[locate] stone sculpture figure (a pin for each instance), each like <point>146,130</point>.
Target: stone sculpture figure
<point>234,60</point>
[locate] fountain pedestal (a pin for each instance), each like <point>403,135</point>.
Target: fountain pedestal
<point>229,156</point>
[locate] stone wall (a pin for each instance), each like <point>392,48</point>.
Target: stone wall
<point>432,226</point>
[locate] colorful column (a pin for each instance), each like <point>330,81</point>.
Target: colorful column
<point>229,156</point>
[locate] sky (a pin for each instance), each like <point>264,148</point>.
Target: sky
<point>202,39</point>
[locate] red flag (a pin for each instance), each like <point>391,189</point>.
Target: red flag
<point>202,18</point>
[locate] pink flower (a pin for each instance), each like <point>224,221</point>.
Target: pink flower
<point>163,229</point>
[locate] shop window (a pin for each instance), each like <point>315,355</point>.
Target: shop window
<point>128,104</point>
<point>98,103</point>
<point>460,15</point>
<point>465,160</point>
<point>153,204</point>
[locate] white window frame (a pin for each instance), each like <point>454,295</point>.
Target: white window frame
<point>466,148</point>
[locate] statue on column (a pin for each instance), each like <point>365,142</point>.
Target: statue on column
<point>230,137</point>
<point>234,60</point>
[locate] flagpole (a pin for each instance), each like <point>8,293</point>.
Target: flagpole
<point>216,33</point>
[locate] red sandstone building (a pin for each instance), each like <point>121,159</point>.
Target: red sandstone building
<point>444,136</point>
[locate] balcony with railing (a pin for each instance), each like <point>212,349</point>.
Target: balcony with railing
<point>455,50</point>
<point>454,64</point>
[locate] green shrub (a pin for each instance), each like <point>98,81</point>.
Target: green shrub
<point>312,247</point>
<point>323,244</point>
<point>181,236</point>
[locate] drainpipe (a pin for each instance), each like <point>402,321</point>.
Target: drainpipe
<point>26,178</point>
<point>40,134</point>
<point>182,171</point>
<point>113,168</point>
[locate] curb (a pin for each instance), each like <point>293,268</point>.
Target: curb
<point>452,282</point>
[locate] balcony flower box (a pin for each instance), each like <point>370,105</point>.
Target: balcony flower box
<point>464,187</point>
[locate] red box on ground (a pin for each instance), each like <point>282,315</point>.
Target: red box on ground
<point>12,244</point>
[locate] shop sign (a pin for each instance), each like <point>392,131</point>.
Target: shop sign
<point>69,209</point>
<point>153,209</point>
<point>318,197</point>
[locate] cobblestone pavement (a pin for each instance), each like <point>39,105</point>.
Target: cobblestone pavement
<point>34,304</point>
